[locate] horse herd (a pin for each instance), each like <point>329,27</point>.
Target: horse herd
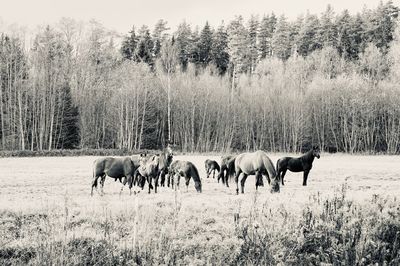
<point>136,170</point>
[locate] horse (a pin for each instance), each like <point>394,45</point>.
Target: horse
<point>164,163</point>
<point>187,170</point>
<point>227,169</point>
<point>155,166</point>
<point>300,164</point>
<point>122,169</point>
<point>256,163</point>
<point>211,166</point>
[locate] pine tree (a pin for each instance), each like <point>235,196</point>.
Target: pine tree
<point>144,47</point>
<point>183,43</point>
<point>69,126</point>
<point>356,37</point>
<point>266,31</point>
<point>307,39</point>
<point>205,45</point>
<point>344,41</point>
<point>220,56</point>
<point>128,46</point>
<point>159,36</point>
<point>281,46</point>
<point>384,23</point>
<point>253,25</point>
<point>194,53</point>
<point>327,32</point>
<point>237,49</point>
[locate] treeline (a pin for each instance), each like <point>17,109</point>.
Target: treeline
<point>266,83</point>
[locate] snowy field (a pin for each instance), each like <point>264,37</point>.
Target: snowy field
<point>41,182</point>
<point>349,212</point>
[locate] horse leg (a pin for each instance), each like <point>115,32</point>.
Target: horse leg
<point>237,181</point>
<point>283,173</point>
<point>162,175</point>
<point>150,185</point>
<point>123,181</point>
<point>243,181</point>
<point>130,183</point>
<point>214,173</point>
<point>178,181</point>
<point>187,179</point>
<point>259,181</point>
<point>156,183</point>
<point>208,172</point>
<point>226,179</point>
<point>94,184</point>
<point>305,176</point>
<point>102,181</point>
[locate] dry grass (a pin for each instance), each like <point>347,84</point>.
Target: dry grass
<point>349,214</point>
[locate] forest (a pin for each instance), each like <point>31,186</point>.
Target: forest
<point>265,82</point>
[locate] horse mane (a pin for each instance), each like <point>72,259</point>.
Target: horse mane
<point>308,153</point>
<point>165,159</point>
<point>230,164</point>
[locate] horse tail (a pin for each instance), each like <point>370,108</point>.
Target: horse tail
<point>277,165</point>
<point>217,167</point>
<point>196,178</point>
<point>230,171</point>
<point>94,180</point>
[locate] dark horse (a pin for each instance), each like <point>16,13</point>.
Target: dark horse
<point>122,169</point>
<point>211,166</point>
<point>187,170</point>
<point>300,164</point>
<point>155,166</point>
<point>227,169</point>
<point>256,163</point>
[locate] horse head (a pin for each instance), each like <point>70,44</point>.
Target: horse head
<point>147,164</point>
<point>167,155</point>
<point>275,184</point>
<point>316,152</point>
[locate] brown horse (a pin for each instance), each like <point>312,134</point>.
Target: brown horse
<point>187,170</point>
<point>258,164</point>
<point>155,166</point>
<point>227,169</point>
<point>211,166</point>
<point>122,169</point>
<point>300,164</point>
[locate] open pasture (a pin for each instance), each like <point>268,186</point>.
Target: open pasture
<point>47,215</point>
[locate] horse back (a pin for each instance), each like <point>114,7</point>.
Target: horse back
<point>119,167</point>
<point>295,164</point>
<point>249,163</point>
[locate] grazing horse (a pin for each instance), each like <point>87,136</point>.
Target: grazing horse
<point>154,167</point>
<point>122,169</point>
<point>227,169</point>
<point>258,164</point>
<point>211,166</point>
<point>300,164</point>
<point>187,170</point>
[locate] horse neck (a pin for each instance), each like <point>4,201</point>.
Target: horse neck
<point>309,156</point>
<point>163,160</point>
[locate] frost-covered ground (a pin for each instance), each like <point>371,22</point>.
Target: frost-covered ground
<point>38,182</point>
<point>47,200</point>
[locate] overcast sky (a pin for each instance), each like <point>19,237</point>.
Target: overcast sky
<point>120,15</point>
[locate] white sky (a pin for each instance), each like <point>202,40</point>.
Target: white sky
<point>120,15</point>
